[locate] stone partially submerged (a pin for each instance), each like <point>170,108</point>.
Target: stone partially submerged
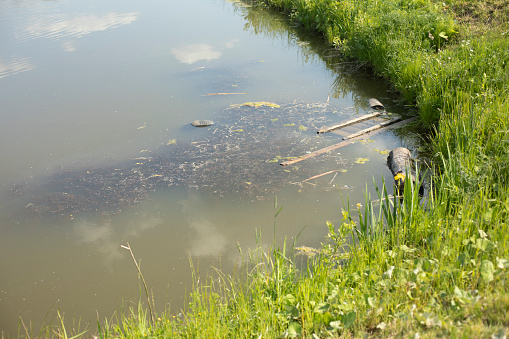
<point>202,123</point>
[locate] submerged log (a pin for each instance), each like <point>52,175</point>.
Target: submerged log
<point>400,163</point>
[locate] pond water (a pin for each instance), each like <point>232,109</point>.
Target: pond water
<point>98,151</point>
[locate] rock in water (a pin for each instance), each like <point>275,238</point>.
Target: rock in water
<point>202,123</point>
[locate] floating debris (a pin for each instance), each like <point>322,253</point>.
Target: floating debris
<point>220,164</point>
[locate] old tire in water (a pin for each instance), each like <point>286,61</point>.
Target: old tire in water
<point>401,164</point>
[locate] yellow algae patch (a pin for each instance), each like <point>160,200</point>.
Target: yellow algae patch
<point>361,160</point>
<point>366,141</point>
<point>386,151</point>
<point>260,104</point>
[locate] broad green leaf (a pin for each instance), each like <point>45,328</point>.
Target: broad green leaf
<point>290,299</point>
<point>502,263</point>
<point>484,244</point>
<point>321,307</point>
<point>294,330</point>
<point>348,319</point>
<point>407,249</point>
<point>463,258</point>
<point>292,311</point>
<point>336,325</point>
<point>462,296</point>
<point>487,269</point>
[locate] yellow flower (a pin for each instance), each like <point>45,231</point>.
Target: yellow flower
<point>399,176</point>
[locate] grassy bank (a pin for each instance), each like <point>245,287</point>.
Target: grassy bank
<point>417,270</point>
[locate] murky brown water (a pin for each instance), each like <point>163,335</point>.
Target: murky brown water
<point>97,149</point>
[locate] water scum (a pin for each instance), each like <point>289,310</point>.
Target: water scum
<point>240,158</point>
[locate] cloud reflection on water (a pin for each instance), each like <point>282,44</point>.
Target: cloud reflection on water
<point>14,67</point>
<point>58,26</point>
<point>100,236</point>
<point>105,237</point>
<point>69,46</point>
<point>190,54</point>
<point>206,241</point>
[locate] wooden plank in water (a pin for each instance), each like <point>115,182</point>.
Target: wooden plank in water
<point>315,153</point>
<point>372,128</point>
<point>346,142</point>
<point>210,94</point>
<point>319,175</point>
<point>349,122</point>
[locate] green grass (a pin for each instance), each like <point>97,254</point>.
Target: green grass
<point>392,268</point>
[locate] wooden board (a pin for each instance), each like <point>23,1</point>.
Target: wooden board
<point>348,122</point>
<point>372,128</point>
<point>346,142</point>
